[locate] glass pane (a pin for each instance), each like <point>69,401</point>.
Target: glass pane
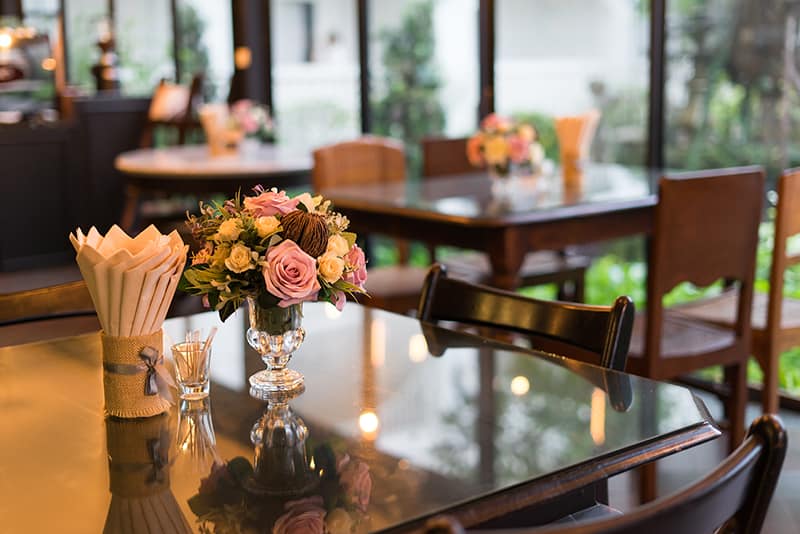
<point>567,57</point>
<point>144,44</point>
<point>732,89</point>
<point>42,15</point>
<point>82,21</point>
<point>206,45</point>
<point>424,69</point>
<point>315,71</point>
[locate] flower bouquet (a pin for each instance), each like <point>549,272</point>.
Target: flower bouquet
<point>275,253</point>
<point>337,504</point>
<point>503,145</point>
<point>254,120</point>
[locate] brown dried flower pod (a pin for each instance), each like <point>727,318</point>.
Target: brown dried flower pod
<point>308,230</point>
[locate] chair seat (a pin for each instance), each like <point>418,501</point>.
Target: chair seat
<point>476,266</point>
<point>722,310</point>
<point>681,337</point>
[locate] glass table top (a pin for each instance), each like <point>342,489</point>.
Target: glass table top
<point>604,186</point>
<point>384,432</point>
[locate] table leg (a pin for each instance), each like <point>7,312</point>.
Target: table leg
<point>131,209</point>
<point>506,254</point>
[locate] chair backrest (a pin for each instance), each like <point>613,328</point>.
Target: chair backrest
<point>787,224</point>
<point>602,331</point>
<point>367,160</point>
<point>172,105</point>
<point>442,157</point>
<point>64,300</point>
<point>706,229</point>
<point>735,496</point>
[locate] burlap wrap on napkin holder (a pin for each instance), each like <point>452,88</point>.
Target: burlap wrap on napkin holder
<point>135,382</point>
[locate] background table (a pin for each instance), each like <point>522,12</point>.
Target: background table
<point>461,211</point>
<point>488,423</point>
<point>191,169</point>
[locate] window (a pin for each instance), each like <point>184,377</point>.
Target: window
<point>83,20</point>
<point>205,45</point>
<point>315,73</point>
<point>566,57</point>
<point>143,32</point>
<point>424,69</point>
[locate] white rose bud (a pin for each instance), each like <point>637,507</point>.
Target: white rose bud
<point>266,225</point>
<point>338,245</point>
<point>331,267</point>
<point>229,230</point>
<point>240,259</point>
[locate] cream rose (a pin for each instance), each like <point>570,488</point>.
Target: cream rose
<point>338,521</point>
<point>266,225</point>
<point>229,230</point>
<point>330,267</point>
<point>240,259</point>
<point>338,245</point>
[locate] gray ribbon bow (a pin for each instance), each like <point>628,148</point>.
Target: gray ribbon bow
<point>158,379</point>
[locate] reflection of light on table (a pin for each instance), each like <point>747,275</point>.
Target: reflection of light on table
<point>520,385</point>
<point>597,423</point>
<point>378,344</point>
<point>368,422</point>
<point>417,348</point>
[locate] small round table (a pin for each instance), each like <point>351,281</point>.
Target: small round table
<point>192,169</point>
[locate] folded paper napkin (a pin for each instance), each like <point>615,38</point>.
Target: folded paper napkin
<point>131,280</point>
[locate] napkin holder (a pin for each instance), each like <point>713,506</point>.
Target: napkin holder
<point>135,381</point>
<point>138,465</point>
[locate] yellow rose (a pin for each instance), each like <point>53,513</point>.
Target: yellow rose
<point>240,259</point>
<point>338,245</point>
<point>495,150</point>
<point>229,230</point>
<point>527,133</point>
<point>330,267</point>
<point>338,521</point>
<point>266,225</point>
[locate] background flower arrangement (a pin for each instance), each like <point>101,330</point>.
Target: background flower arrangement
<point>501,143</point>
<point>278,250</point>
<point>253,119</point>
<point>228,499</point>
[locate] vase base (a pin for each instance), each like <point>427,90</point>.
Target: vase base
<point>264,384</point>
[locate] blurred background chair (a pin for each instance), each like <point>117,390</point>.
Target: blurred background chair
<point>173,107</point>
<point>596,334</point>
<point>706,229</point>
<point>370,160</point>
<point>448,157</point>
<point>733,498</point>
<point>775,319</point>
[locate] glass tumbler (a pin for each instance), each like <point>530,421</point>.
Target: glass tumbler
<point>192,360</point>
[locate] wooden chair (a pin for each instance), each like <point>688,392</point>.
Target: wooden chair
<point>173,106</point>
<point>706,229</point>
<point>597,334</point>
<point>733,498</point>
<point>370,160</point>
<point>775,319</point>
<point>448,157</point>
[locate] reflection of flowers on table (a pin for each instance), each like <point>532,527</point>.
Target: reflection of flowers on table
<point>279,250</point>
<point>228,499</point>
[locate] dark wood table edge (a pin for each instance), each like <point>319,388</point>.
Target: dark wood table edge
<point>550,490</point>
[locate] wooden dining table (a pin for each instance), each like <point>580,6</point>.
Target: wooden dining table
<point>427,420</point>
<point>191,169</point>
<point>537,213</point>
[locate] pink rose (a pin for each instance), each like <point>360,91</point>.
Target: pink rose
<point>304,516</point>
<point>474,150</point>
<point>356,272</point>
<point>519,149</point>
<point>270,203</point>
<point>494,121</point>
<point>356,481</point>
<point>290,274</point>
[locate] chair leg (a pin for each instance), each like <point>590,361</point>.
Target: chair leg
<point>580,282</point>
<point>648,482</point>
<point>735,404</point>
<point>769,396</point>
